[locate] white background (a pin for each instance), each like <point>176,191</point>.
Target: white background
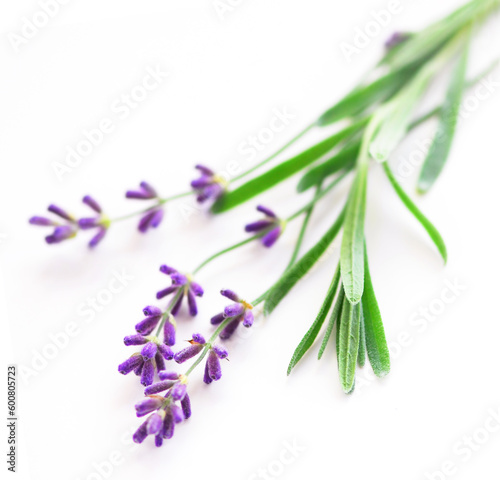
<point>226,77</point>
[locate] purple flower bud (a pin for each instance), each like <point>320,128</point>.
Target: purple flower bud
<point>141,433</point>
<point>168,375</point>
<point>219,318</point>
<point>149,351</point>
<point>230,294</point>
<point>206,375</point>
<point>169,333</point>
<point>87,223</point>
<point>160,362</point>
<point>221,352</point>
<point>61,213</point>
<point>42,221</point>
<point>135,340</point>
<point>166,291</point>
<point>213,365</point>
<point>146,326</point>
<point>258,226</point>
<point>167,270</point>
<point>157,218</point>
<point>205,170</point>
<point>148,188</point>
<point>266,211</point>
<point>270,238</point>
<point>179,279</point>
<point>234,310</point>
<point>193,308</point>
<point>98,237</point>
<point>154,423</point>
<point>88,200</point>
<point>165,351</point>
<point>248,319</point>
<point>60,233</point>
<point>138,370</point>
<point>187,353</point>
<point>179,391</point>
<point>197,290</point>
<point>152,311</point>
<point>146,192</point>
<point>199,338</point>
<point>130,364</point>
<point>148,405</point>
<point>168,426</point>
<point>159,387</point>
<point>230,329</point>
<point>158,440</point>
<point>186,406</point>
<point>146,221</point>
<point>148,372</point>
<point>177,414</point>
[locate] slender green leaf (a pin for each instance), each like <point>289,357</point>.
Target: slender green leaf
<point>351,253</point>
<point>312,333</point>
<point>362,336</point>
<point>282,171</point>
<point>424,221</point>
<point>334,317</point>
<point>448,118</point>
<point>364,97</point>
<point>345,159</point>
<point>348,344</point>
<point>376,344</point>
<point>288,280</point>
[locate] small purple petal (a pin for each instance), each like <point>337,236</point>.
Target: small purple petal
<point>157,218</point>
<point>160,362</point>
<point>177,306</point>
<point>166,352</point>
<point>148,189</point>
<point>193,308</point>
<point>202,182</point>
<point>130,364</point>
<point>266,211</point>
<point>167,270</point>
<point>230,294</point>
<point>60,212</point>
<point>177,413</point>
<point>138,370</point>
<point>166,291</point>
<point>219,318</point>
<point>206,375</point>
<point>59,234</point>
<point>148,405</point>
<point>168,426</point>
<point>270,238</point>
<point>258,226</point>
<point>179,279</point>
<point>148,372</point>
<point>97,238</point>
<point>158,440</point>
<point>88,200</point>
<point>197,289</point>
<point>169,333</point>
<point>149,350</point>
<point>135,340</point>
<point>248,319</point>
<point>87,223</point>
<point>138,195</point>
<point>221,352</point>
<point>42,221</point>
<point>168,375</point>
<point>199,338</point>
<point>141,433</point>
<point>152,311</point>
<point>154,423</point>
<point>179,391</point>
<point>205,170</point>
<point>186,406</point>
<point>187,353</point>
<point>158,387</point>
<point>214,368</point>
<point>234,310</point>
<point>146,326</point>
<point>230,329</point>
<point>145,221</point>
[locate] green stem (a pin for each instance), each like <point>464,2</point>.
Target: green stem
<point>274,155</point>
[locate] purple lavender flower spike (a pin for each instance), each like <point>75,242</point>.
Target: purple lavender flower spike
<point>218,319</point>
<point>148,372</point>
<point>213,366</point>
<point>135,340</point>
<point>166,352</point>
<point>61,232</point>
<point>187,353</point>
<point>182,285</point>
<point>130,364</point>
<point>141,433</point>
<point>148,405</point>
<point>271,227</point>
<point>186,406</point>
<point>159,387</point>
<point>209,186</point>
<point>88,200</point>
<point>168,376</point>
<point>149,351</point>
